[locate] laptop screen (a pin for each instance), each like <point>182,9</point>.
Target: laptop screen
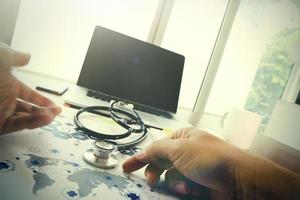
<point>124,67</point>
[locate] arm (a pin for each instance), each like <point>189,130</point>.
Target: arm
<point>258,178</point>
<point>204,161</point>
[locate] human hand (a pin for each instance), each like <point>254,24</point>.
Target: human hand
<point>198,164</point>
<point>20,106</point>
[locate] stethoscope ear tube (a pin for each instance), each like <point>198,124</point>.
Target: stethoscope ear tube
<point>134,119</point>
<point>129,145</point>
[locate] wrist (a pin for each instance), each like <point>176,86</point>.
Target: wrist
<point>258,178</point>
<point>244,186</point>
<point>236,167</point>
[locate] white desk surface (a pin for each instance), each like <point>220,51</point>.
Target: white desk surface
<point>46,163</point>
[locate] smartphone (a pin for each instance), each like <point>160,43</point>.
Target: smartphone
<point>56,89</point>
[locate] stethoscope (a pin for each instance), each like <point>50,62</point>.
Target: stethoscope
<point>104,144</point>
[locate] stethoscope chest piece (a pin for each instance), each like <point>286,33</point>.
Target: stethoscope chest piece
<point>101,155</point>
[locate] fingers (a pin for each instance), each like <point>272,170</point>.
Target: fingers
<point>24,107</point>
<point>181,133</point>
<point>29,116</point>
<point>180,185</point>
<point>32,120</point>
<point>10,57</point>
<point>186,133</point>
<point>176,182</point>
<point>159,153</point>
<point>133,164</point>
<point>31,96</point>
<point>152,173</point>
<point>20,59</point>
<point>7,109</point>
<point>29,108</point>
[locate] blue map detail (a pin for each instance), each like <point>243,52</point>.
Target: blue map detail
<point>79,136</point>
<point>62,135</point>
<point>87,180</point>
<point>35,162</point>
<point>6,166</point>
<point>55,123</point>
<point>83,176</point>
<point>49,128</point>
<point>52,126</point>
<point>55,128</point>
<point>76,165</point>
<point>69,124</point>
<point>133,196</point>
<point>72,193</point>
<point>42,180</point>
<point>54,151</point>
<point>3,165</point>
<point>46,176</point>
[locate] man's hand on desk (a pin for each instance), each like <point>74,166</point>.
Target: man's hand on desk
<point>20,106</point>
<point>201,166</point>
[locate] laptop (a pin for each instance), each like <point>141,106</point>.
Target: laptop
<point>119,67</point>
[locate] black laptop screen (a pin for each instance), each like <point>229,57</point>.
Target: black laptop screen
<point>124,67</point>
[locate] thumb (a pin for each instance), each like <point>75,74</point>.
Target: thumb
<point>10,57</point>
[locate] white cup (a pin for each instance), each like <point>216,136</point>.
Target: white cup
<point>239,127</point>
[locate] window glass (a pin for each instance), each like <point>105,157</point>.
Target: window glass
<point>258,57</point>
<point>58,32</point>
<point>191,31</point>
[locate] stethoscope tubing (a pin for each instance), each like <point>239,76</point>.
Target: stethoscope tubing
<point>134,118</point>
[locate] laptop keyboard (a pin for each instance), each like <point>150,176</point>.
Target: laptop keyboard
<point>108,98</point>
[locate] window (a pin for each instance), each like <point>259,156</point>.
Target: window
<point>192,30</point>
<point>58,32</point>
<point>258,58</point>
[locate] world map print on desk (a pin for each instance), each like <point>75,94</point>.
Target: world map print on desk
<point>46,163</point>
